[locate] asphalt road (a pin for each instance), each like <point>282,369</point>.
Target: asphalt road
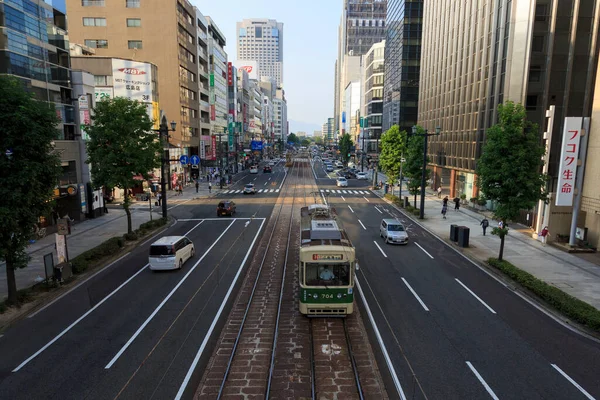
<point>451,330</point>
<point>132,333</point>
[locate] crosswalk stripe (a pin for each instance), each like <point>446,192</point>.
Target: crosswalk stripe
<point>327,190</point>
<point>271,191</point>
<point>362,192</point>
<point>322,191</point>
<point>343,191</point>
<point>260,190</point>
<point>237,191</point>
<point>277,191</point>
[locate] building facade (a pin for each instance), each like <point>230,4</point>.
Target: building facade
<point>128,30</point>
<point>538,53</point>
<point>372,99</point>
<point>362,25</point>
<point>352,105</point>
<point>261,39</point>
<point>404,25</point>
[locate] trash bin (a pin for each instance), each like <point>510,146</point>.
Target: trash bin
<point>386,187</point>
<point>463,236</point>
<point>454,232</point>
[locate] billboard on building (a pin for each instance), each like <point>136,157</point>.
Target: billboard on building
<point>132,79</point>
<point>250,66</point>
<point>103,93</point>
<point>229,74</point>
<point>213,147</point>
<point>569,155</point>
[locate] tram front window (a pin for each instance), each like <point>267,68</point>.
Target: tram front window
<point>327,274</point>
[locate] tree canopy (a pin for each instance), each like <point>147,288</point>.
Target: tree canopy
<point>508,170</point>
<point>414,163</point>
<point>29,171</point>
<point>293,139</point>
<point>121,146</point>
<point>305,142</point>
<point>345,147</point>
<point>393,147</point>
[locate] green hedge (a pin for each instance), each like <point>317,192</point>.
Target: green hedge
<point>92,256</point>
<point>570,306</point>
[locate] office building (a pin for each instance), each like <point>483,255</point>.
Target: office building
<point>280,108</point>
<point>372,99</point>
<point>261,40</point>
<point>362,25</point>
<point>352,103</point>
<point>517,50</point>
<point>404,24</point>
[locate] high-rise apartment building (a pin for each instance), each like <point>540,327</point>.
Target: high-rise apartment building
<point>404,24</point>
<point>538,53</point>
<point>139,30</point>
<point>261,40</point>
<point>372,98</point>
<point>362,25</point>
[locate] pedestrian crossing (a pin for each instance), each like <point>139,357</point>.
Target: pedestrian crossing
<point>345,191</point>
<point>233,191</point>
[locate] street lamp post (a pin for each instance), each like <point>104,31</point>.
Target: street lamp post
<point>163,131</point>
<point>426,135</point>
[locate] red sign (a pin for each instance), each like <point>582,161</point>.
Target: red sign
<point>230,74</point>
<point>213,113</point>
<point>132,71</point>
<point>213,147</point>
<point>327,257</point>
<point>247,68</point>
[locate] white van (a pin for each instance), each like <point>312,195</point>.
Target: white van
<point>170,252</point>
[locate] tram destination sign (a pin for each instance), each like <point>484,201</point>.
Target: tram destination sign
<point>328,257</point>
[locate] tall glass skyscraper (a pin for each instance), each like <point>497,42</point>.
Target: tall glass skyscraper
<point>402,63</point>
<point>34,46</point>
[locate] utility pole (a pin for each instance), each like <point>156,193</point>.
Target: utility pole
<point>163,132</point>
<point>426,135</point>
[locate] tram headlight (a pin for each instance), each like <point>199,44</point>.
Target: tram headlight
<point>339,295</point>
<point>315,296</point>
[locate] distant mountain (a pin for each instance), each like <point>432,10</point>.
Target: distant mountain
<point>299,126</point>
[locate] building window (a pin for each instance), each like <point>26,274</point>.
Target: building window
<point>132,3</point>
<point>537,43</point>
<point>102,80</point>
<point>134,22</point>
<point>96,43</point>
<point>92,3</point>
<point>89,21</point>
<point>134,44</point>
<point>531,103</point>
<point>535,73</point>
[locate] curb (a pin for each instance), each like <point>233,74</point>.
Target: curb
<point>511,285</point>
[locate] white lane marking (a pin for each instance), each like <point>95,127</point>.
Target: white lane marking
<point>276,190</point>
<point>425,251</point>
<point>415,294</point>
<point>266,183</point>
<point>237,191</point>
<point>220,219</point>
<point>194,364</point>
<point>79,284</point>
<point>254,179</point>
<point>327,190</point>
<point>343,198</point>
<point>388,360</point>
<point>385,255</point>
<point>380,212</point>
<point>351,209</point>
<point>484,383</point>
<point>355,192</point>
<point>271,191</point>
<point>141,328</point>
<point>366,199</point>
<point>567,377</point>
<point>343,191</point>
<point>260,190</point>
<point>178,204</point>
<point>474,295</point>
<point>50,343</point>
<point>361,224</point>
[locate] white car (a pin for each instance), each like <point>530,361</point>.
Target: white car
<point>249,189</point>
<point>272,163</point>
<point>254,170</point>
<point>362,175</point>
<point>341,182</point>
<point>170,252</point>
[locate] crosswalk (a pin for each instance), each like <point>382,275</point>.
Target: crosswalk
<point>345,191</point>
<point>257,191</point>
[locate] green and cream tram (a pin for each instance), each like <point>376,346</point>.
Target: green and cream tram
<point>327,264</point>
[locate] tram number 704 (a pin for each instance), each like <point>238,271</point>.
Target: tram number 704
<point>326,296</point>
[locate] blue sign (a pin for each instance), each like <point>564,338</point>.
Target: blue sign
<point>256,145</point>
<point>343,117</point>
<point>183,160</point>
<point>195,160</point>
<point>9,153</point>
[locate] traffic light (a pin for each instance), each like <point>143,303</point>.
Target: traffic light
<point>348,154</point>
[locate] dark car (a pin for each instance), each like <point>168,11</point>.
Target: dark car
<point>226,207</point>
<point>267,169</point>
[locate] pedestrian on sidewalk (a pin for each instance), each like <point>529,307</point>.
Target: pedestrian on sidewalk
<point>484,224</point>
<point>197,186</point>
<point>456,203</point>
<point>180,189</point>
<point>439,192</point>
<point>209,187</point>
<point>159,198</point>
<point>544,234</point>
<point>444,209</point>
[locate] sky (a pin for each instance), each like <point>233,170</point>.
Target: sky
<point>309,50</point>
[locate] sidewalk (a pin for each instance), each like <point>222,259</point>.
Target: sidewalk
<point>84,236</point>
<point>568,272</point>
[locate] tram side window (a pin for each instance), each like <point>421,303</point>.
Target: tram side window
<point>327,274</point>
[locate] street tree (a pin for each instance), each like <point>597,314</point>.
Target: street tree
<point>293,139</point>
<point>345,147</point>
<point>305,142</point>
<point>29,172</point>
<point>393,147</point>
<point>414,163</point>
<point>508,170</point>
<point>121,146</point>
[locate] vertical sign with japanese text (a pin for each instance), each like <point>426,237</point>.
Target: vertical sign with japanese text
<point>202,150</point>
<point>229,74</point>
<point>568,161</point>
<point>214,147</point>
